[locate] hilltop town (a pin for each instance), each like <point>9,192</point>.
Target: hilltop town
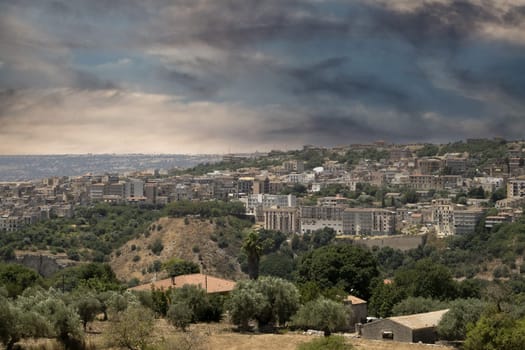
<point>396,243</point>
<point>359,190</point>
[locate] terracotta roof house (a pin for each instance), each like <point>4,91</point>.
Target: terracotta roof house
<point>209,283</point>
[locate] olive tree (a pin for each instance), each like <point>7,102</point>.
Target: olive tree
<point>244,304</point>
<point>88,306</point>
<point>132,329</point>
<point>463,313</point>
<point>322,314</point>
<point>268,300</point>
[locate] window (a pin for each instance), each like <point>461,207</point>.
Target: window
<point>388,335</point>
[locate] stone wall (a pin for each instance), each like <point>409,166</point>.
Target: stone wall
<point>46,265</point>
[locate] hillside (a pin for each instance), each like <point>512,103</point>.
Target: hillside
<point>191,239</point>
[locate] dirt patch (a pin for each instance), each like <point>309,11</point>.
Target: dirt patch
<point>221,336</point>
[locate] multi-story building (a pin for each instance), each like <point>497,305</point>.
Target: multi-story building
<point>245,185</point>
<point>271,200</point>
<point>429,166</point>
<point>397,154</point>
<point>182,192</point>
<point>150,192</point>
<point>256,203</point>
<point>97,191</point>
<point>296,166</point>
<point>11,223</point>
<point>456,164</point>
<point>443,216</point>
<point>514,202</point>
<point>332,201</point>
<point>318,217</point>
<point>407,217</point>
<point>282,219</point>
<point>116,189</point>
<point>489,184</point>
<point>516,188</point>
<point>333,168</point>
<point>134,188</point>
<point>493,220</point>
<point>434,182</point>
<point>465,220</point>
<point>275,186</point>
<point>225,188</point>
<point>261,185</point>
<point>110,178</point>
<point>369,221</point>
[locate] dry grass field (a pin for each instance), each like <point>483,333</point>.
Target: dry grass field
<point>222,337</point>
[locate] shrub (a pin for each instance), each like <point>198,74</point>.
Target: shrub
<point>326,343</point>
<point>157,246</point>
<point>180,315</point>
<point>416,305</point>
<point>176,267</point>
<point>501,271</point>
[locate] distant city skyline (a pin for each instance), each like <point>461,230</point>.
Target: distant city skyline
<point>213,77</point>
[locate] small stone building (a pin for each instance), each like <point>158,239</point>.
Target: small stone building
<point>410,328</point>
<point>358,308</point>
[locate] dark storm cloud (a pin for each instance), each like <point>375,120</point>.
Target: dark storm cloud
<point>331,125</point>
<point>303,70</point>
<point>442,24</point>
<point>328,76</point>
<point>509,80</point>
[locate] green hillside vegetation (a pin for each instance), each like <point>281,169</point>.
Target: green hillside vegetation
<point>476,276</point>
<point>95,231</point>
<point>91,235</point>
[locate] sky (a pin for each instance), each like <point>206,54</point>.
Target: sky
<point>219,76</point>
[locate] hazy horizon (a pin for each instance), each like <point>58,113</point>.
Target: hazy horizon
<point>216,77</point>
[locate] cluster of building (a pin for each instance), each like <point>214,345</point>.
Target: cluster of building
<point>435,180</point>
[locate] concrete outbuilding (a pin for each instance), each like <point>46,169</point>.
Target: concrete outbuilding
<point>410,328</point>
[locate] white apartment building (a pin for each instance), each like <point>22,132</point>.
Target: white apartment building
<point>369,221</point>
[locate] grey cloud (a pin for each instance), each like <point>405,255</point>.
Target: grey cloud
<point>329,76</point>
<point>515,15</point>
<point>318,63</point>
<point>435,23</point>
<point>89,81</point>
<point>508,80</point>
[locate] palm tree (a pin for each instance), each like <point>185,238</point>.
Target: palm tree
<point>252,247</point>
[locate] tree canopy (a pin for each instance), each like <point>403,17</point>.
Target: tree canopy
<point>345,266</point>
